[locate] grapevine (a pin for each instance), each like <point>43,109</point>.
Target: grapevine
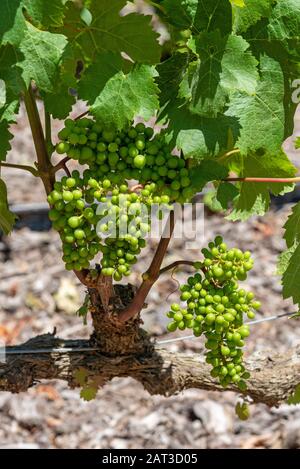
<point>205,101</point>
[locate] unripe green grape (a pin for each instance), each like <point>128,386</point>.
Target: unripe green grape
<point>139,161</point>
<point>172,327</point>
<point>225,351</point>
<point>74,222</point>
<point>62,147</point>
<point>79,234</point>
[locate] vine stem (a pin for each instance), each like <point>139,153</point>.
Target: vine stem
<point>48,136</point>
<point>228,154</point>
<point>174,265</point>
<point>24,167</point>
<point>152,274</point>
<point>256,179</point>
<point>43,163</point>
<point>62,165</point>
<point>85,113</point>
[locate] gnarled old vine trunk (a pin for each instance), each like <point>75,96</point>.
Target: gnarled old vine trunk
<point>124,349</point>
<point>112,336</point>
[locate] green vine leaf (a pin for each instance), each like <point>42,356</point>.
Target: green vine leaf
<point>2,93</point>
<point>88,393</point>
<point>199,16</point>
<point>251,13</point>
<point>12,22</point>
<point>127,95</point>
<point>45,14</point>
<point>292,227</point>
<point>105,66</point>
<point>110,31</point>
<point>225,65</point>
<point>284,259</point>
<point>238,3</point>
<point>242,410</point>
<point>261,116</point>
<point>5,137</point>
<point>290,279</point>
<point>294,399</point>
<point>254,198</point>
<point>81,376</point>
<point>226,193</point>
<point>59,103</point>
<point>7,218</point>
<point>208,170</point>
<point>42,53</point>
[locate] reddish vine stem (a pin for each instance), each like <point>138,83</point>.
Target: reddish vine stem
<point>61,164</point>
<point>152,274</point>
<point>265,180</point>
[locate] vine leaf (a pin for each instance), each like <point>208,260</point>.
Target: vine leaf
<point>127,95</point>
<point>284,259</point>
<point>283,27</point>
<point>294,399</point>
<point>195,135</point>
<point>103,68</point>
<point>225,65</point>
<point>292,227</point>
<point>254,198</point>
<point>226,193</point>
<point>5,137</point>
<point>238,3</point>
<point>170,74</point>
<point>7,218</point>
<point>81,376</point>
<point>88,393</point>
<point>12,22</point>
<point>290,279</point>
<point>208,170</point>
<point>242,410</point>
<point>42,53</point>
<point>2,93</point>
<point>204,15</point>
<point>45,14</point>
<point>251,13</point>
<point>261,116</point>
<point>59,103</point>
<point>109,30</point>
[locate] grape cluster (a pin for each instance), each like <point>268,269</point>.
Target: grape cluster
<point>215,307</point>
<point>95,216</point>
<point>135,153</point>
<point>74,221</point>
<point>125,225</point>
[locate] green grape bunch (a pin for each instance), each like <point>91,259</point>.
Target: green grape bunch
<point>90,211</point>
<point>215,307</point>
<point>132,154</point>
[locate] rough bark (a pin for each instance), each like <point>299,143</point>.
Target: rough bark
<point>273,376</point>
